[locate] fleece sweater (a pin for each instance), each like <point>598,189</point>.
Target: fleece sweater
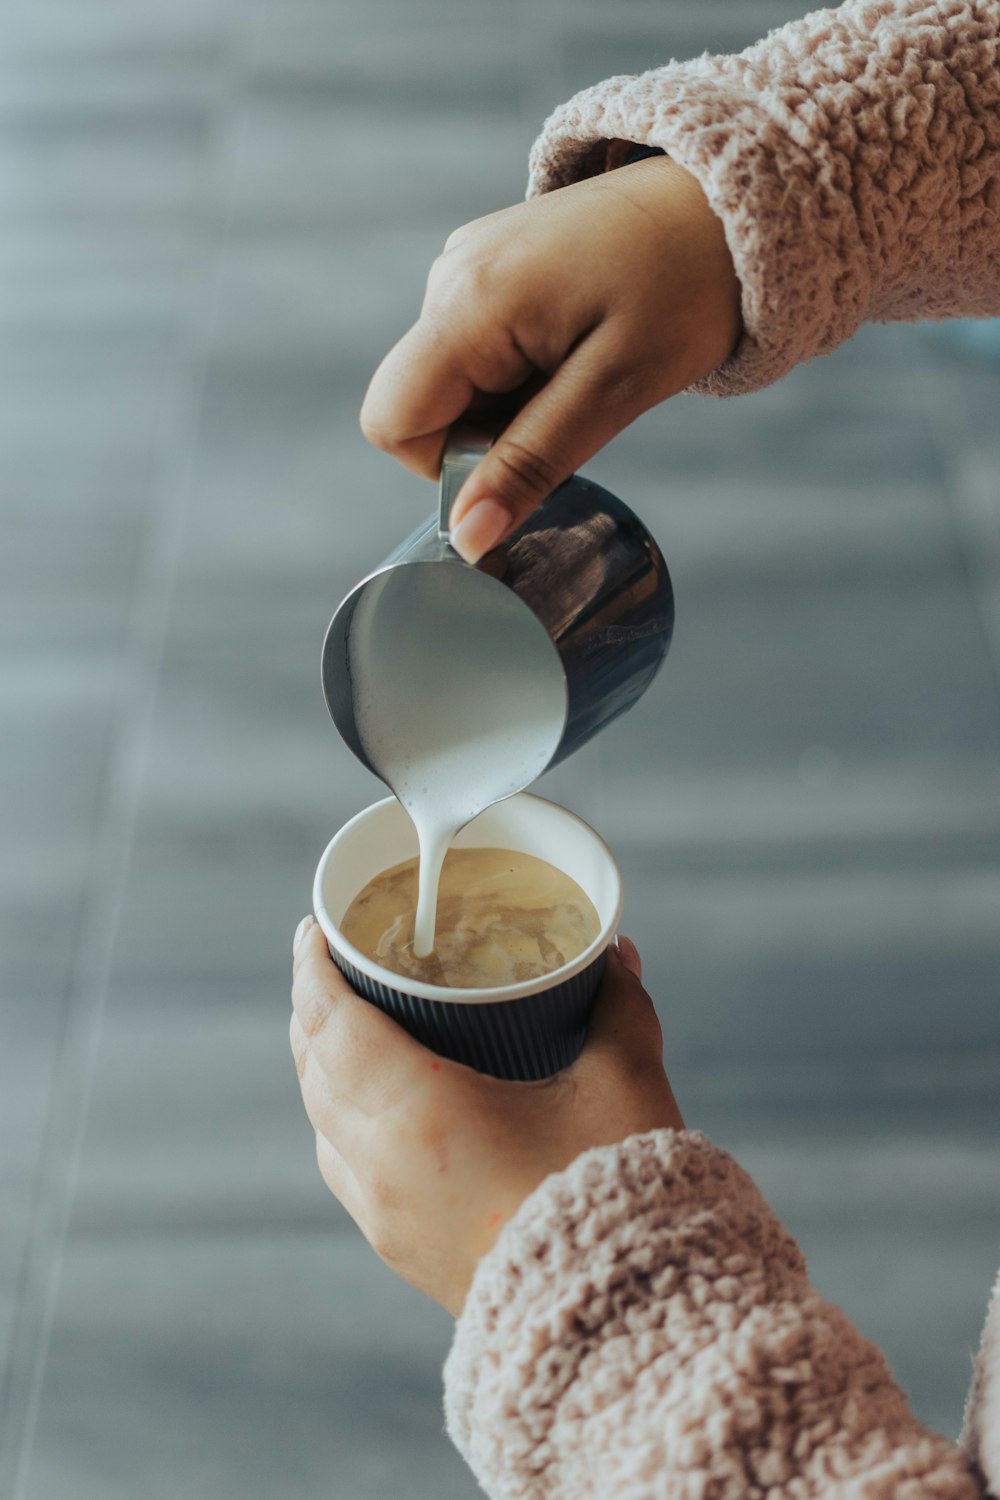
<point>645,1329</point>
<point>644,1326</point>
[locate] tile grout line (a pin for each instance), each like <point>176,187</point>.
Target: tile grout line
<point>115,820</point>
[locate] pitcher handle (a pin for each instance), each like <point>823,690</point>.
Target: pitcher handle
<point>466,444</point>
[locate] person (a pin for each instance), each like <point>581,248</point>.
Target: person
<point>632,1319</point>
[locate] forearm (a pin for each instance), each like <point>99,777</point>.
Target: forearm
<point>646,1327</point>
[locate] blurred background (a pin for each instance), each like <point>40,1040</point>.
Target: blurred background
<point>214,219</point>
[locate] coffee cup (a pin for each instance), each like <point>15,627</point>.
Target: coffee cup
<point>518,1031</point>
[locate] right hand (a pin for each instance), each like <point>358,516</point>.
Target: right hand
<point>584,307</point>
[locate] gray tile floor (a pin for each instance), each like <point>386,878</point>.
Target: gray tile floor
<point>214,218</point>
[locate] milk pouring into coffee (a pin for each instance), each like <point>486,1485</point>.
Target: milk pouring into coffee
<point>503,917</point>
<point>458,686</point>
<point>459,699</point>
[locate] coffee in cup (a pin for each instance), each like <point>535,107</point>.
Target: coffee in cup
<point>503,917</point>
<point>527,1030</point>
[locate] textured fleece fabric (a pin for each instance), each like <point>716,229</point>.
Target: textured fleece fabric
<point>644,1327</point>
<point>853,157</point>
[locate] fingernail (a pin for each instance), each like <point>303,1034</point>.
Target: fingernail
<point>480,530</point>
<point>629,955</point>
<point>300,933</point>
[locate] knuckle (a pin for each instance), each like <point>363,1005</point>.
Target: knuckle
<point>391,1253</point>
<point>442,269</point>
<point>375,432</point>
<point>461,275</point>
<point>624,387</point>
<point>433,1138</point>
<point>526,471</point>
<point>457,238</point>
<point>326,1160</point>
<point>312,1095</point>
<point>385,1198</point>
<point>479,274</point>
<point>314,1010</point>
<point>351,1038</point>
<point>386,1240</point>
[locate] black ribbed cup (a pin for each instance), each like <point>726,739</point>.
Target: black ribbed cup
<point>518,1032</point>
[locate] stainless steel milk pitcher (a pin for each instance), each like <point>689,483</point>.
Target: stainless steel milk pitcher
<point>584,565</point>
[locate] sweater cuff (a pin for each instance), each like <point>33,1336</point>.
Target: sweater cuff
<point>792,231</point>
<point>664,1218</point>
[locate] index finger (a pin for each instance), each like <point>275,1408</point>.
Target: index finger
<point>418,390</point>
<point>368,1060</point>
<point>461,350</point>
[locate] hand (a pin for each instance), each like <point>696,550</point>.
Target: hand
<point>429,1157</point>
<point>591,304</point>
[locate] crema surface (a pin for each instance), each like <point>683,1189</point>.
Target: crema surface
<point>503,918</point>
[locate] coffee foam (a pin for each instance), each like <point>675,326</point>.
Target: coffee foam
<point>503,918</point>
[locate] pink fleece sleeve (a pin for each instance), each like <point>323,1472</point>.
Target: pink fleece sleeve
<point>644,1328</point>
<point>853,156</point>
<point>981,1429</point>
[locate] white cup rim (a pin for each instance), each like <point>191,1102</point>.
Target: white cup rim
<point>404,985</point>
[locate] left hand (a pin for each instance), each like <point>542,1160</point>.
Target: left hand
<point>429,1157</point>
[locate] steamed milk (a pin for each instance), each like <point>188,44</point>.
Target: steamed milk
<point>459,699</point>
<point>503,918</point>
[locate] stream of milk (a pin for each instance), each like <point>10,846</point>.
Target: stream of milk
<point>459,699</point>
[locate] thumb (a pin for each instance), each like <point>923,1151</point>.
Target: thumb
<point>623,1055</point>
<point>623,1021</point>
<point>586,403</point>
<point>630,957</point>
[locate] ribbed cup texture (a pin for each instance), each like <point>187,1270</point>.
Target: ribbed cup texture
<point>515,1039</point>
